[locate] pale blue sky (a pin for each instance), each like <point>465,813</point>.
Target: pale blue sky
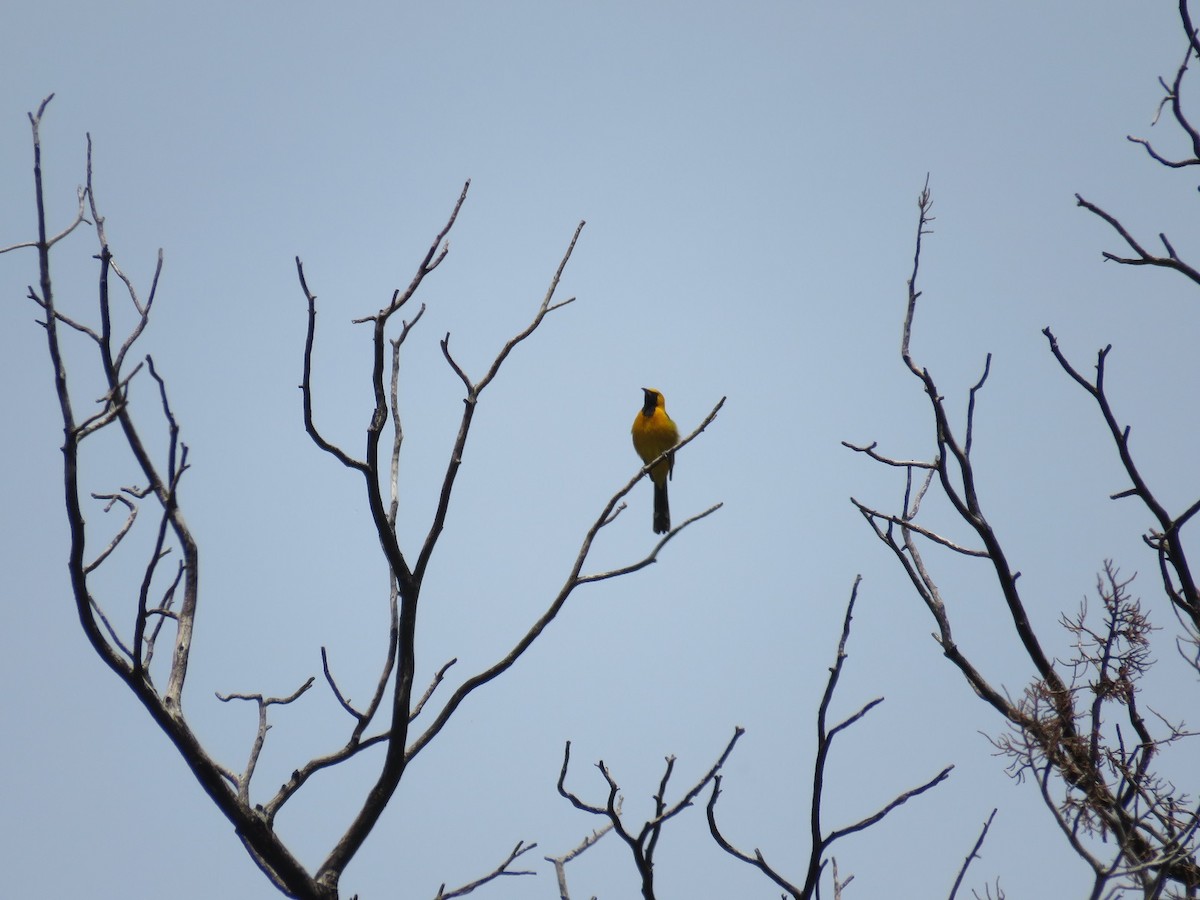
<point>748,173</point>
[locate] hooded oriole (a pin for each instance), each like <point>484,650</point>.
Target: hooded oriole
<point>653,434</point>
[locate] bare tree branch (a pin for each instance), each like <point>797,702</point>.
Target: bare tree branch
<point>243,781</point>
<point>905,522</point>
<point>1173,99</point>
<point>1143,257</point>
<point>574,579</point>
<point>501,870</point>
<point>560,862</point>
<point>1168,541</point>
<point>130,518</point>
<point>306,382</point>
<point>643,844</point>
<point>973,855</point>
<point>819,841</point>
<point>869,450</point>
<point>472,398</point>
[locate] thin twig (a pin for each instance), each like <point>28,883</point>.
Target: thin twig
<point>501,870</point>
<point>971,856</point>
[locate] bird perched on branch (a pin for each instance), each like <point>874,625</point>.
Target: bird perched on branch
<point>653,434</point>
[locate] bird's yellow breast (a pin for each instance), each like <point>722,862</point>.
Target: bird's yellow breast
<point>653,434</point>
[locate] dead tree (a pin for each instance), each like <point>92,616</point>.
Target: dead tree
<point>1080,730</point>
<point>162,599</point>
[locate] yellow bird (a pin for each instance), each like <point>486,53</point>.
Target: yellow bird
<point>653,435</point>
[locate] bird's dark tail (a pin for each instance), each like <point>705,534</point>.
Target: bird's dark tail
<point>662,509</point>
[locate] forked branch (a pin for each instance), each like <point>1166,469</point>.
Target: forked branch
<point>502,870</point>
<point>642,841</point>
<point>820,841</point>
